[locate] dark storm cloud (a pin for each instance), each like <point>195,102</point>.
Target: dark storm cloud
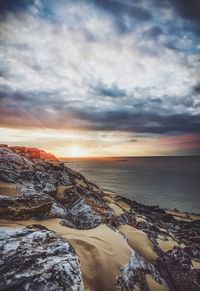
<point>143,122</point>
<point>129,14</point>
<point>57,65</point>
<point>196,88</point>
<point>33,110</point>
<point>125,13</point>
<point>3,72</point>
<point>140,104</point>
<point>187,8</point>
<point>154,32</point>
<point>122,8</point>
<point>14,5</point>
<point>33,101</point>
<point>108,91</point>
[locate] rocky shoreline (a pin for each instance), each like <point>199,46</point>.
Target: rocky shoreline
<point>58,231</point>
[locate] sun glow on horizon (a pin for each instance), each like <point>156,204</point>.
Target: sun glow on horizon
<point>75,152</point>
<point>78,144</point>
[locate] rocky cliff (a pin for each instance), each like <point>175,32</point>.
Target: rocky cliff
<point>58,231</point>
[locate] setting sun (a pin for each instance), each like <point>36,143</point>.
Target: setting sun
<point>75,152</point>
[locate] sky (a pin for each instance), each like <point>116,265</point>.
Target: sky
<point>101,77</point>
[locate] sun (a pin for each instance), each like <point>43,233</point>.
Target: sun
<point>75,152</point>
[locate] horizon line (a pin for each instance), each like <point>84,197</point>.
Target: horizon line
<point>122,157</point>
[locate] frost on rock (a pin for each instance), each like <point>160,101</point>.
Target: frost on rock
<point>82,216</point>
<point>64,178</point>
<point>27,189</point>
<point>37,259</point>
<point>12,165</point>
<point>134,274</point>
<point>57,211</point>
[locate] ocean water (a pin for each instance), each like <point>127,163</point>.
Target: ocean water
<point>170,182</point>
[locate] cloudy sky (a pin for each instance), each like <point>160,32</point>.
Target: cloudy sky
<point>101,77</point>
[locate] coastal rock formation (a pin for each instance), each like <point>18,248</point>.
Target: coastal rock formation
<point>68,234</point>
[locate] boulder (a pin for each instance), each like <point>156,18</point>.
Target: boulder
<point>37,259</point>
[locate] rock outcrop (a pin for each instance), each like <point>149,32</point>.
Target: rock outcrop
<point>58,231</point>
<point>37,259</point>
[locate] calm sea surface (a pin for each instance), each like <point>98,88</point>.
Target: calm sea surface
<point>170,182</point>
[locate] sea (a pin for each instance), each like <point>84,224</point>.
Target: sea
<point>170,182</point>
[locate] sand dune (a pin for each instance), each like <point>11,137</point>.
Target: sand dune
<point>139,241</point>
